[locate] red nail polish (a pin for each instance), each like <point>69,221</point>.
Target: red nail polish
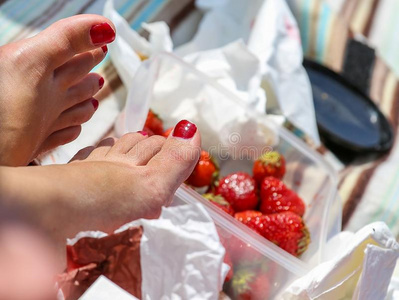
<point>105,49</point>
<point>184,129</point>
<point>142,132</point>
<point>102,34</point>
<point>101,82</point>
<point>95,103</point>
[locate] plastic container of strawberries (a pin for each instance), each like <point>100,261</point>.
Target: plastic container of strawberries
<point>261,269</point>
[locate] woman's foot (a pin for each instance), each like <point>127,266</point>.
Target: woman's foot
<point>148,169</point>
<point>46,90</point>
<point>27,263</point>
<point>106,186</point>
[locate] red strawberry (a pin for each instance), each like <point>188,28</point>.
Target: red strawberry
<point>269,164</point>
<point>205,172</point>
<point>248,284</point>
<point>276,197</point>
<point>227,260</point>
<point>149,131</point>
<point>285,229</point>
<point>154,123</point>
<point>239,189</point>
<point>247,215</point>
<point>167,132</point>
<point>220,202</point>
<point>241,252</point>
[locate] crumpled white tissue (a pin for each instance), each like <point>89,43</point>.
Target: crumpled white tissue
<point>180,253</point>
<point>275,39</point>
<point>271,33</point>
<point>128,44</point>
<point>360,267</point>
<point>234,67</point>
<point>176,90</point>
<point>105,289</point>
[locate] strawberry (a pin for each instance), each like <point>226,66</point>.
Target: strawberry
<point>154,123</point>
<point>220,202</point>
<point>285,229</point>
<point>149,131</point>
<point>241,252</point>
<point>239,189</point>
<point>276,197</point>
<point>227,260</point>
<point>167,132</point>
<point>269,164</point>
<point>247,215</point>
<point>248,284</point>
<point>205,172</point>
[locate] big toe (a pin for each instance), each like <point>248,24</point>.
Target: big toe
<point>178,156</point>
<point>64,39</point>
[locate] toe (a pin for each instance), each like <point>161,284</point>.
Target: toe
<point>64,39</point>
<point>77,115</point>
<point>146,149</point>
<point>102,148</point>
<point>60,137</point>
<point>127,142</point>
<point>85,89</point>
<point>78,67</point>
<point>178,156</point>
<point>82,154</point>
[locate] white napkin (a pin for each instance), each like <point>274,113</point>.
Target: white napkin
<point>275,39</point>
<point>234,67</point>
<point>174,94</point>
<point>181,255</point>
<point>105,289</point>
<point>128,44</point>
<point>360,267</point>
<point>271,33</point>
<point>175,91</point>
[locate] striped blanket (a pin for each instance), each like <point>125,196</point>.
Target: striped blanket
<point>369,192</point>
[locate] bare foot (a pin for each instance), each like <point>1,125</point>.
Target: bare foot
<point>27,262</point>
<point>46,90</point>
<point>106,186</point>
<point>27,265</point>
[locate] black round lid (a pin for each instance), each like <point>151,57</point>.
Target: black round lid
<point>349,122</point>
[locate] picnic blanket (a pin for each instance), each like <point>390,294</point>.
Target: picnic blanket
<point>329,29</point>
<point>370,192</point>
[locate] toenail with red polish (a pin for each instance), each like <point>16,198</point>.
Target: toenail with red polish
<point>102,34</point>
<point>184,129</point>
<point>105,49</point>
<point>101,82</point>
<point>95,103</point>
<point>142,132</point>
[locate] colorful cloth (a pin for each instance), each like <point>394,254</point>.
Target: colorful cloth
<point>370,192</point>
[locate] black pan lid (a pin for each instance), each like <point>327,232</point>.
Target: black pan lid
<point>349,122</point>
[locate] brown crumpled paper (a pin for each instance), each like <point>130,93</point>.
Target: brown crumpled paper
<point>115,256</point>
